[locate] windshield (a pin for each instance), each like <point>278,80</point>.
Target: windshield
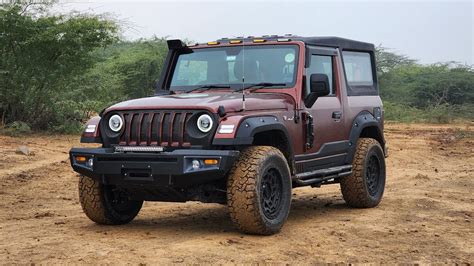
<point>236,66</point>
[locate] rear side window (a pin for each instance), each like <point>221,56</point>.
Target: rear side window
<point>359,73</point>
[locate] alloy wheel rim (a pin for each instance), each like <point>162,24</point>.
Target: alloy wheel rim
<point>372,175</point>
<point>118,200</point>
<point>271,191</point>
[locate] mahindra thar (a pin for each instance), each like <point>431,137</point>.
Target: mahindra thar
<point>241,121</point>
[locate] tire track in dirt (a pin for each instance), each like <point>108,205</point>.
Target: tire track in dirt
<point>15,170</point>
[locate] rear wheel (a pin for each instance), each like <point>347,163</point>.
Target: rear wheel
<point>365,186</point>
<point>106,204</point>
<point>259,190</point>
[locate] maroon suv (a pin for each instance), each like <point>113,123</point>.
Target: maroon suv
<point>241,122</point>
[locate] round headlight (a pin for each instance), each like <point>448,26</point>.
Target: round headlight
<point>204,123</point>
<point>115,123</point>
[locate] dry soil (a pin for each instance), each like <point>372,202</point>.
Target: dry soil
<point>426,214</point>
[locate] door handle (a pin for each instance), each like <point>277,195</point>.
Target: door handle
<point>336,115</point>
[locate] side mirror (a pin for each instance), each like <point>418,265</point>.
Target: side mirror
<point>319,86</point>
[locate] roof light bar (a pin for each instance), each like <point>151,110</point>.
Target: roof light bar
<point>259,40</point>
<point>235,41</point>
<point>283,40</point>
<point>213,43</point>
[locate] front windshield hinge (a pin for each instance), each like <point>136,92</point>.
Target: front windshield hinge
<point>296,116</point>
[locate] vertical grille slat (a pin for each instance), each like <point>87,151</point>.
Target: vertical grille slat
<point>186,138</point>
<point>149,135</point>
<point>129,128</point>
<point>155,129</point>
<point>172,129</point>
<point>134,129</point>
<point>165,124</point>
<point>181,129</point>
<point>139,128</point>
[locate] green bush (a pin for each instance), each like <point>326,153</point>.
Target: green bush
<point>443,113</point>
<point>16,128</point>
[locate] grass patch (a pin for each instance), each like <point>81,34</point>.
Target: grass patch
<point>441,114</point>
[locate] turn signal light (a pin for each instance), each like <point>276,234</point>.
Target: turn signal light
<point>211,161</point>
<point>81,159</point>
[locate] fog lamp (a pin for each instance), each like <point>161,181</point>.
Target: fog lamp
<point>90,163</point>
<point>196,164</point>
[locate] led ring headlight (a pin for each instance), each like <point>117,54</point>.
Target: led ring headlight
<point>204,123</point>
<point>115,123</point>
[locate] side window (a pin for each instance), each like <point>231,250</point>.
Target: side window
<point>321,64</point>
<point>359,73</point>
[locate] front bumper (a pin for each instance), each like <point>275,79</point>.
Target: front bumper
<point>174,168</point>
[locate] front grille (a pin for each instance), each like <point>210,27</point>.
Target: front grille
<point>155,128</point>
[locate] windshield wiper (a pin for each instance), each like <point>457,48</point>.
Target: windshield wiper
<point>257,86</point>
<point>208,87</point>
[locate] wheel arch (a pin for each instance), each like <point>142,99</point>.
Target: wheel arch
<point>365,125</point>
<point>279,139</point>
<point>262,130</point>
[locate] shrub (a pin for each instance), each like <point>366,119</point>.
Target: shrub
<point>16,128</point>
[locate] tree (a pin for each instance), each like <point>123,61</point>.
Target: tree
<point>41,55</point>
<point>127,70</point>
<point>387,61</point>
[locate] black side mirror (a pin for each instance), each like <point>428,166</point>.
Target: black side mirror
<point>319,86</point>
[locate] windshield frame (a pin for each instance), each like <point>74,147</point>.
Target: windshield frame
<point>235,85</point>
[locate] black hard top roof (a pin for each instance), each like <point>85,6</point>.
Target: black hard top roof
<point>344,44</point>
<point>329,41</point>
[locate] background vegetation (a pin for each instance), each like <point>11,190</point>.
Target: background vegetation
<point>56,70</point>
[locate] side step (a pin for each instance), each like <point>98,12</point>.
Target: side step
<point>317,177</point>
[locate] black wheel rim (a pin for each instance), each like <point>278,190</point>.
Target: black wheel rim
<point>372,175</point>
<point>118,200</point>
<point>271,193</point>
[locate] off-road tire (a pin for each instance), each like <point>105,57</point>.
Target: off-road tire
<point>248,181</point>
<point>355,188</point>
<point>98,206</point>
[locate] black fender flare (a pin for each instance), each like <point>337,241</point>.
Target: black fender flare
<point>363,120</point>
<point>249,127</point>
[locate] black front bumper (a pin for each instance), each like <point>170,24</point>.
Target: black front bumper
<point>173,168</point>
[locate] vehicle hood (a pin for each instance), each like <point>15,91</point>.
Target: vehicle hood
<point>232,102</point>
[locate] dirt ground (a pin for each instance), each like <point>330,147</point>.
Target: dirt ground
<point>426,214</point>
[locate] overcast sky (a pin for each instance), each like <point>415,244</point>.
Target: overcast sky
<point>430,31</point>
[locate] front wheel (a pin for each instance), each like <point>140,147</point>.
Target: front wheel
<point>365,186</point>
<point>106,204</point>
<point>259,190</point>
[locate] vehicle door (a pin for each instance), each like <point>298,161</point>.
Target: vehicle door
<point>325,116</point>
